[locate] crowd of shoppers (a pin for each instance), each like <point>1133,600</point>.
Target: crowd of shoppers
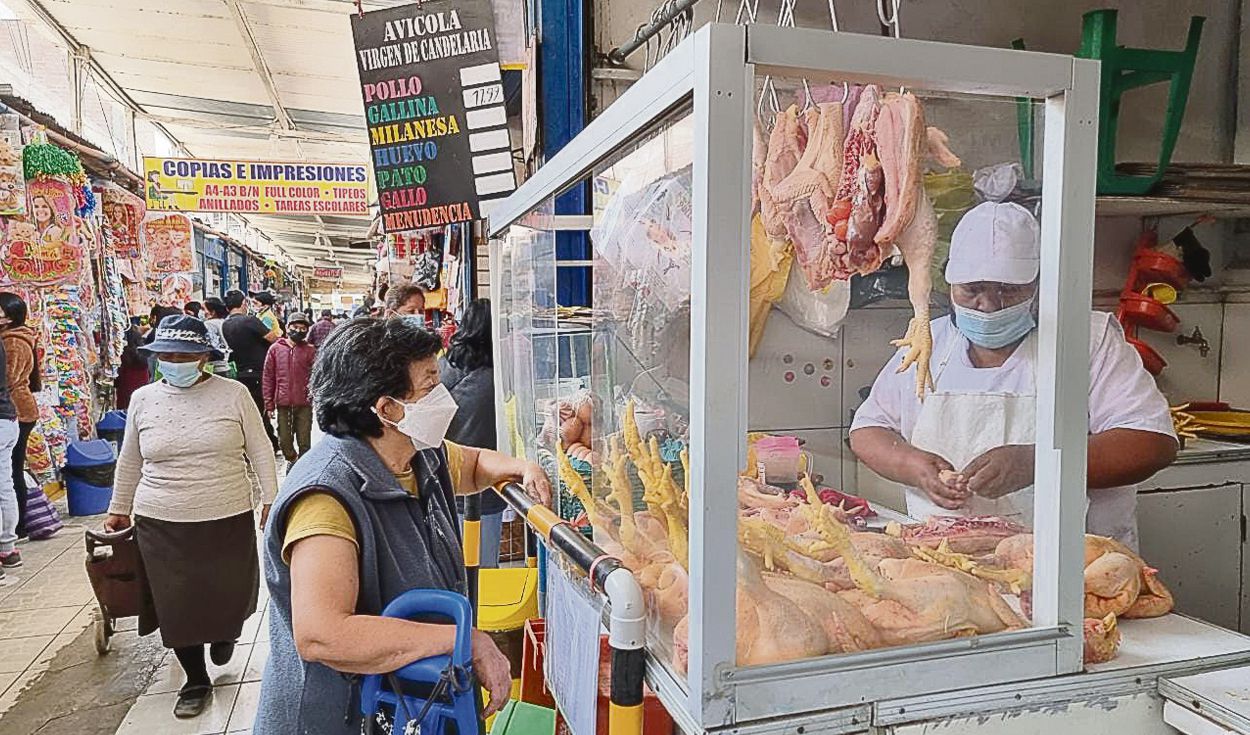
<point>204,387</point>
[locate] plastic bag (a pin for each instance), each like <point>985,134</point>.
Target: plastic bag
<point>952,194</point>
<point>819,312</point>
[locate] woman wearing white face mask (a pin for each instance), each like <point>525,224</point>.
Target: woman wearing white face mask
<point>182,475</point>
<point>365,516</point>
<point>967,449</point>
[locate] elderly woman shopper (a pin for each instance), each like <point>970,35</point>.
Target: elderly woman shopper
<point>367,515</point>
<point>183,476</point>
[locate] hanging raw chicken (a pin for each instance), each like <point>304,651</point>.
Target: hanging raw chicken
<point>855,195</point>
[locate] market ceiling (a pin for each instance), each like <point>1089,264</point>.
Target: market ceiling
<point>239,79</point>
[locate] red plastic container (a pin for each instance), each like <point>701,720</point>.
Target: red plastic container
<point>655,719</point>
<point>1155,267</point>
<point>1153,362</point>
<point>1147,312</point>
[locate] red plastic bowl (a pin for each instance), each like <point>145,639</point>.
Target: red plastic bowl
<point>1155,267</point>
<point>1150,359</point>
<point>1148,312</point>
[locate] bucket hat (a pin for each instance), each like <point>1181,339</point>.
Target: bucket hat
<point>181,333</point>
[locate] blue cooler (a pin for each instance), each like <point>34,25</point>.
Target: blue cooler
<point>112,428</point>
<point>88,476</point>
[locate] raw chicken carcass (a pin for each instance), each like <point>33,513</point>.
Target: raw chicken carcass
<point>772,628</point>
<point>755,494</point>
<point>912,601</point>
<point>874,548</point>
<point>845,626</point>
<point>910,223</point>
<point>820,161</point>
<point>784,150</point>
<point>1117,580</point>
<point>1155,599</point>
<point>1112,585</point>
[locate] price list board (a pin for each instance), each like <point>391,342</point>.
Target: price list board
<point>434,109</point>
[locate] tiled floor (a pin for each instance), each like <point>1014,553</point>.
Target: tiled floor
<point>234,700</point>
<point>237,684</point>
<point>44,605</point>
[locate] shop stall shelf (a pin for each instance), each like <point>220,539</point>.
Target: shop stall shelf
<point>668,343</point>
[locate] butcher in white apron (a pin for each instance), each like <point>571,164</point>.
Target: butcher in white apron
<point>967,449</point>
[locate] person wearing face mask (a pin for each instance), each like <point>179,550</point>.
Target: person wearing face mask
<point>288,367</point>
<point>182,481</point>
<point>365,516</point>
<point>406,301</point>
<point>968,447</point>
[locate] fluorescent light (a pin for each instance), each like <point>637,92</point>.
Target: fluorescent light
<point>6,13</point>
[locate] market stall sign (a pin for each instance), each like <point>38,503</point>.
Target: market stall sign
<point>328,272</point>
<point>434,109</point>
<point>256,187</point>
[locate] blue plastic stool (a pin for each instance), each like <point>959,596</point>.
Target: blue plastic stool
<point>459,703</point>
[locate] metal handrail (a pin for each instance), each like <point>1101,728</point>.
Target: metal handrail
<point>605,573</point>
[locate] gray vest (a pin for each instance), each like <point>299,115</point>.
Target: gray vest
<point>405,543</point>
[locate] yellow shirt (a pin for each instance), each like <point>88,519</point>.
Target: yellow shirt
<point>321,514</point>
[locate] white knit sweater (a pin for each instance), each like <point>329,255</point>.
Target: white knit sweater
<point>185,453</point>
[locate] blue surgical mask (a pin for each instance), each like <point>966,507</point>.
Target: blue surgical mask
<point>179,374</point>
<point>995,329</point>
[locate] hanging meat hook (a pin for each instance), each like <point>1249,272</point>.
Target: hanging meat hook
<point>890,19</point>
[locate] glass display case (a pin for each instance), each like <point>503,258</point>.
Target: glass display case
<point>772,207</point>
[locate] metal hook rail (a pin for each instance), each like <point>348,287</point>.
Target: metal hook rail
<point>648,31</point>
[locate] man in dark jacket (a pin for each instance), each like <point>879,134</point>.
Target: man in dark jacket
<point>288,367</point>
<point>249,339</point>
<point>322,328</point>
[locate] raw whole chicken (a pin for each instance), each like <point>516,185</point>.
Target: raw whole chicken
<point>772,628</point>
<point>910,223</point>
<point>755,494</point>
<point>845,626</point>
<point>1117,581</point>
<point>873,548</point>
<point>1154,598</point>
<point>912,601</point>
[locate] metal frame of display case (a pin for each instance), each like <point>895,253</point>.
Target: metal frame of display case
<point>716,70</point>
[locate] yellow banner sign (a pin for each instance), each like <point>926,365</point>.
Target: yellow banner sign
<point>256,187</point>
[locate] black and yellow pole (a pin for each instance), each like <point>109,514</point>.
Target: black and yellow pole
<point>626,622</point>
<point>472,540</point>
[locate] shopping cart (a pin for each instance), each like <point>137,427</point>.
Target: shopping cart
<point>116,574</point>
<point>436,695</point>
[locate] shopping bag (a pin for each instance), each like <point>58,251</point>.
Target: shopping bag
<point>42,520</point>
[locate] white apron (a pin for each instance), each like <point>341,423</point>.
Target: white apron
<point>962,426</point>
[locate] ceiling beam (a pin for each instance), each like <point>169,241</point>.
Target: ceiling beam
<point>259,63</point>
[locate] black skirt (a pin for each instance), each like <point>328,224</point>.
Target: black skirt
<point>202,578</point>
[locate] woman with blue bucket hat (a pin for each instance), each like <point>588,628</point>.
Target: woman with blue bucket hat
<point>182,480</point>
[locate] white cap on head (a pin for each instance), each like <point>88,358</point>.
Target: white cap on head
<point>995,241</point>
